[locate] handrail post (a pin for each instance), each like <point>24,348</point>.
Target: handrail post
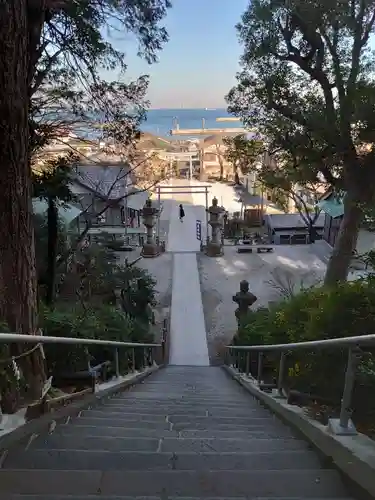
<point>117,364</point>
<point>344,425</point>
<point>281,375</point>
<point>163,351</point>
<point>260,367</point>
<point>247,363</point>
<point>133,358</point>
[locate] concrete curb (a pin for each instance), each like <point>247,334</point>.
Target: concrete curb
<point>354,456</point>
<point>43,423</point>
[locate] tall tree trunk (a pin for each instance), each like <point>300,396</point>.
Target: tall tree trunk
<point>52,225</point>
<point>17,255</point>
<point>339,262</point>
<point>312,232</point>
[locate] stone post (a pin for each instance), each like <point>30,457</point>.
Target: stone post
<point>214,246</point>
<point>244,299</point>
<point>149,216</point>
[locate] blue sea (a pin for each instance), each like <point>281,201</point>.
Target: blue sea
<point>161,121</point>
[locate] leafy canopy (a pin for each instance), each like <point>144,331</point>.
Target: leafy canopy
<point>71,43</point>
<point>307,85</point>
<point>242,152</point>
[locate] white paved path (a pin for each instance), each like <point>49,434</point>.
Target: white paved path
<point>182,235</point>
<point>188,340</point>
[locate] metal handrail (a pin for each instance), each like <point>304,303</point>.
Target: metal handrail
<point>41,339</point>
<point>341,426</point>
<point>293,346</point>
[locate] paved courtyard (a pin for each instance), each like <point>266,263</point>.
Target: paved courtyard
<point>200,289</point>
<point>287,267</point>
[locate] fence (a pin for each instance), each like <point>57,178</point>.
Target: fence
<point>239,357</point>
<point>138,355</point>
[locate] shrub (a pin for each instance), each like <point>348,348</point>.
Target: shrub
<point>105,322</point>
<point>315,314</point>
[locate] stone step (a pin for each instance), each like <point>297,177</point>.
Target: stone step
<point>264,432</point>
<point>230,445</point>
<point>166,395</point>
<point>180,396</point>
<point>95,497</point>
<point>179,409</point>
<point>99,443</point>
<point>120,431</point>
<point>182,426</point>
<point>144,412</point>
<point>115,422</point>
<point>83,442</point>
<point>256,423</point>
<point>105,461</point>
<point>181,392</point>
<point>306,484</point>
<point>92,430</point>
<point>174,419</point>
<point>182,405</point>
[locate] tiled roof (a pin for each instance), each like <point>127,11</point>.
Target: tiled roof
<point>108,181</point>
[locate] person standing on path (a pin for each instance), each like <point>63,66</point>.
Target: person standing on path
<point>182,213</point>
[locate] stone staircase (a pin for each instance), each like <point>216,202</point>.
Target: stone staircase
<point>186,432</point>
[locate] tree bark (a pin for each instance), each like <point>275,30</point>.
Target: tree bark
<point>52,224</point>
<point>18,299</point>
<point>339,262</point>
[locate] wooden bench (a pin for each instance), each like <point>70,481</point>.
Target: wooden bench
<point>256,248</point>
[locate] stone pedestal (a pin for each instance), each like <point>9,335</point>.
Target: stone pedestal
<point>214,247</point>
<point>244,299</point>
<point>149,216</point>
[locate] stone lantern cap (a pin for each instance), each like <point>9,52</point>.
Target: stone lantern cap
<point>148,209</point>
<point>244,298</point>
<point>214,208</point>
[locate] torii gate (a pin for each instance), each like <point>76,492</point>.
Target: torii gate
<point>190,189</point>
<point>187,155</point>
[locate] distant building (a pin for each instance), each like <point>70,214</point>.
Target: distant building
<point>290,229</point>
<point>108,185</point>
<point>332,207</point>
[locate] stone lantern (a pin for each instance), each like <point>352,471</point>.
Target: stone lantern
<point>244,299</point>
<point>149,216</point>
<point>214,246</point>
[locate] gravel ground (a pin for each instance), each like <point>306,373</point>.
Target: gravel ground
<point>220,278</point>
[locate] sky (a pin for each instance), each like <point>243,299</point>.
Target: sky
<point>197,67</point>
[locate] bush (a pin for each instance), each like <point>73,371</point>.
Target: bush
<point>105,322</point>
<point>316,314</point>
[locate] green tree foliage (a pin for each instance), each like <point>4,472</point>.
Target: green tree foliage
<point>100,299</point>
<point>243,153</point>
<point>72,42</point>
<point>306,84</point>
<point>282,173</point>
